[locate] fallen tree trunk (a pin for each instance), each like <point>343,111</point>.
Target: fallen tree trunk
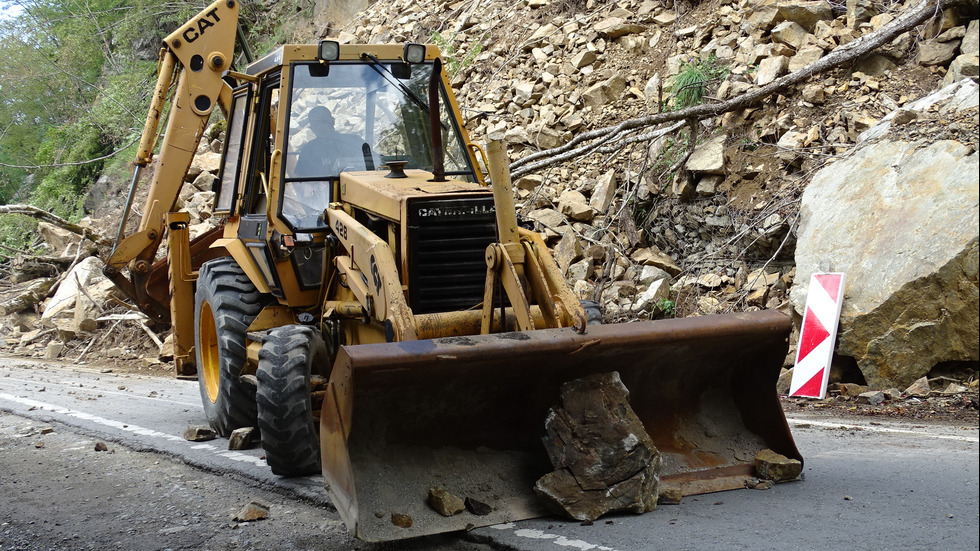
<point>27,297</point>
<point>839,56</point>
<point>41,214</point>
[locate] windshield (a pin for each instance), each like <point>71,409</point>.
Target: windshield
<point>359,116</point>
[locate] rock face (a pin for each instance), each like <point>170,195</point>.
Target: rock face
<point>604,459</point>
<point>900,219</point>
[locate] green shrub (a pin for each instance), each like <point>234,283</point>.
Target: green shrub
<point>691,84</point>
<point>454,63</point>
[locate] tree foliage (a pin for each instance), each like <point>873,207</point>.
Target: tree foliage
<point>75,82</point>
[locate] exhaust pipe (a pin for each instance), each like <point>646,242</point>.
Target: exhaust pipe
<point>435,125</point>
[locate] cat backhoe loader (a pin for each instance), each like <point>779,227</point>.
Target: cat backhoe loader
<point>371,304</point>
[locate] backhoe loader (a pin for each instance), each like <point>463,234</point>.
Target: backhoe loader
<point>370,302</point>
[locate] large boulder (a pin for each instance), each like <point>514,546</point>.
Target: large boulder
<point>604,460</point>
<point>900,219</point>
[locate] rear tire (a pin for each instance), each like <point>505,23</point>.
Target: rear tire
<point>225,303</point>
<point>285,409</point>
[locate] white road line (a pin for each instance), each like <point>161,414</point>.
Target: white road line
<point>134,429</point>
<point>76,388</point>
<point>802,423</point>
<point>562,541</point>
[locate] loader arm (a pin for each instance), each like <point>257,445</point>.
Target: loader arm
<point>192,61</point>
<point>522,264</point>
<point>370,271</point>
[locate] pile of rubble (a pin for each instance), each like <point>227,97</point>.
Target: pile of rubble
<point>78,314</point>
<point>537,74</point>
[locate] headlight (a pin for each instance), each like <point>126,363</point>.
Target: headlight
<point>414,53</point>
<point>329,50</point>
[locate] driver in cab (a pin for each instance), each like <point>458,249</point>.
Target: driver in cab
<point>330,152</point>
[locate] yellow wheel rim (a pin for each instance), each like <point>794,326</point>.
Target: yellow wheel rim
<point>210,368</point>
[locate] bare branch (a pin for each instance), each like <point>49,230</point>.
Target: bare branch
<point>40,214</point>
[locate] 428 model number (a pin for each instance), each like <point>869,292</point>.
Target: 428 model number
<point>340,229</point>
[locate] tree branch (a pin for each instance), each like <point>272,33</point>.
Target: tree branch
<point>40,214</point>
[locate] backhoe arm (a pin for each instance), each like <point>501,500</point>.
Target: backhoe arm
<point>192,61</point>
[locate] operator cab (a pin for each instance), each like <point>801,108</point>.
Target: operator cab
<point>358,116</point>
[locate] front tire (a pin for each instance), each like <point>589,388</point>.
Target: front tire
<point>225,303</point>
<point>285,408</point>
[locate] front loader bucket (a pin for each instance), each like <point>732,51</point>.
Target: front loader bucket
<point>467,414</point>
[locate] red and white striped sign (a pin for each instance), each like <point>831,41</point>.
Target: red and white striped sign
<point>817,336</point>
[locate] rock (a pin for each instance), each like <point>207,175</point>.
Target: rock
<point>615,27</point>
<point>582,59</point>
<point>401,520</point>
<point>241,439</point>
<point>874,65</point>
<point>789,145</point>
<point>203,162</point>
<point>580,271</point>
<point>758,297</point>
<point>954,388</point>
<point>199,434</point>
<point>805,13</point>
<point>934,52</point>
<point>604,192</point>
<point>652,90</point>
<point>445,503</point>
<point>572,204</point>
<point>771,68</point>
<point>539,36</point>
<point>53,350</point>
<point>789,33</point>
<point>605,92</point>
<point>548,218</point>
<point>85,315</point>
<point>708,184</point>
<point>759,279</point>
<point>57,238</point>
<point>784,382</point>
<point>971,40</point>
<point>915,302</point>
<point>851,390</point>
<point>964,66</point>
<point>568,250</point>
<point>709,157</point>
<point>649,274</point>
<point>85,274</point>
<point>604,459</point>
<point>670,496</point>
<point>478,508</point>
<point>167,350</point>
<point>956,97</point>
<point>204,181</point>
<point>860,11</point>
<point>657,292</point>
<point>920,388</point>
<point>770,465</point>
<point>665,18</point>
<point>805,56</point>
<point>873,397</point>
<point>710,281</point>
<point>252,511</point>
<point>653,256</point>
<point>529,182</point>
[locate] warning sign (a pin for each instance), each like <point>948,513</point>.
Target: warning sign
<point>817,336</point>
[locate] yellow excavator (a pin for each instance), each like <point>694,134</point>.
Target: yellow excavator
<point>371,304</point>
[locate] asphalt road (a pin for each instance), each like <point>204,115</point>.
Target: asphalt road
<point>867,485</point>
